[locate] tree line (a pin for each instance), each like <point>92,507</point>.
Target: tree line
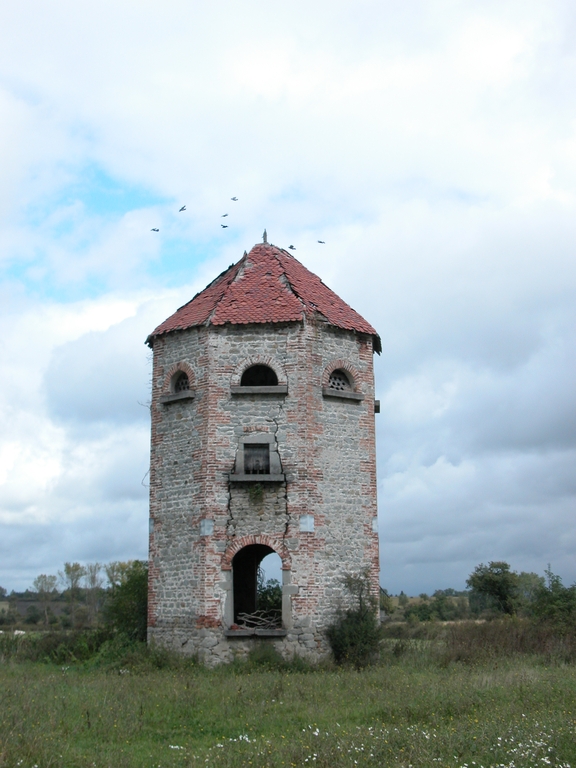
<point>112,595</point>
<point>493,590</point>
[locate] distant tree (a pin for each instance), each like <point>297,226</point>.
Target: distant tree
<point>93,584</point>
<point>71,578</point>
<point>496,582</point>
<point>115,572</point>
<point>45,586</point>
<point>33,615</point>
<point>555,604</point>
<point>126,609</point>
<point>3,592</point>
<point>386,604</point>
<point>268,593</point>
<point>529,586</point>
<point>402,600</point>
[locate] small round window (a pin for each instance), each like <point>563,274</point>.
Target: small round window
<point>259,376</point>
<point>180,382</point>
<point>339,380</point>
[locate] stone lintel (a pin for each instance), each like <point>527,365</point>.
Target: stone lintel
<point>278,389</point>
<point>342,394</point>
<point>187,394</point>
<point>234,478</point>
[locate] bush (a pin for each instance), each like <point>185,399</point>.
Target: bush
<point>355,635</point>
<point>52,647</point>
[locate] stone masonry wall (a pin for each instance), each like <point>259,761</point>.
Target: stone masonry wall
<point>200,518</point>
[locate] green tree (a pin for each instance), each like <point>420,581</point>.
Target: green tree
<point>403,600</point>
<point>115,572</point>
<point>555,604</point>
<point>45,586</point>
<point>93,584</point>
<point>126,609</point>
<point>268,594</point>
<point>496,582</point>
<point>386,604</point>
<point>529,585</point>
<point>71,578</point>
<point>3,592</point>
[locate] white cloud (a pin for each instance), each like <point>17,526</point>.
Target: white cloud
<point>432,145</point>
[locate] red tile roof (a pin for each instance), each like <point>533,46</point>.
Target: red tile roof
<point>267,285</point>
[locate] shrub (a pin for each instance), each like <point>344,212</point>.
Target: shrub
<point>355,635</point>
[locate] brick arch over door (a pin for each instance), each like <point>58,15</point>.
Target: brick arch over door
<point>270,362</point>
<point>245,541</point>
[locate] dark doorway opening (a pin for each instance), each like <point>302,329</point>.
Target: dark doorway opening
<point>245,571</point>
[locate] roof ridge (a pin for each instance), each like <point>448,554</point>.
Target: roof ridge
<point>239,271</point>
<point>283,269</point>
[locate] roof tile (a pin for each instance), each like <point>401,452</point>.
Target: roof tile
<point>267,285</point>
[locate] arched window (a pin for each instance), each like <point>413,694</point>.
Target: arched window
<point>259,376</point>
<point>180,382</point>
<point>339,380</point>
<point>179,387</point>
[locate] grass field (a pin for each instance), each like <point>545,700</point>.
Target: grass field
<point>409,711</point>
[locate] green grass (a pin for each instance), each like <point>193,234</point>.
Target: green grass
<point>409,711</point>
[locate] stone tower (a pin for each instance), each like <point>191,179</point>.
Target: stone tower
<point>263,440</point>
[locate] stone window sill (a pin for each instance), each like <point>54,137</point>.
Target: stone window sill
<point>276,390</point>
<point>174,396</point>
<point>255,632</point>
<point>278,478</point>
<point>342,394</point>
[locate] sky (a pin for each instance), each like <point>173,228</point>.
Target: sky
<point>430,144</point>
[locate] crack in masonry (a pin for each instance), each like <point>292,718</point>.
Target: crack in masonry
<point>274,420</point>
<point>230,517</point>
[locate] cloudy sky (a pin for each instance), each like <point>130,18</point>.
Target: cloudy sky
<point>431,144</point>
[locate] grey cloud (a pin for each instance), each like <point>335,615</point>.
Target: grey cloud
<point>102,376</point>
<point>105,533</point>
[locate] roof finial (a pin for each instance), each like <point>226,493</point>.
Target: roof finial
<point>264,237</point>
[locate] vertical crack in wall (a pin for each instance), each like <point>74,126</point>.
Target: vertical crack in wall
<point>274,420</point>
<point>230,522</point>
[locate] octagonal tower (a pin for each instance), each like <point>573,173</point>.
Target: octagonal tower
<point>263,440</point>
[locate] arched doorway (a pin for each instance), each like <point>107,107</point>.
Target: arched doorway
<point>245,568</point>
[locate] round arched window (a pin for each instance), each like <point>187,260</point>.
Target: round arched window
<point>339,380</point>
<point>180,382</point>
<point>259,376</point>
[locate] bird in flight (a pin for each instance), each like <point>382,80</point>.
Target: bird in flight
<point>322,241</point>
<point>154,229</point>
<point>223,215</point>
<point>182,209</point>
<point>292,247</point>
<point>224,226</point>
<point>234,198</point>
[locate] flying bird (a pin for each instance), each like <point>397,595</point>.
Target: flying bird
<point>322,241</point>
<point>224,226</point>
<point>234,198</point>
<point>223,215</point>
<point>154,229</point>
<point>292,247</point>
<point>182,209</point>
